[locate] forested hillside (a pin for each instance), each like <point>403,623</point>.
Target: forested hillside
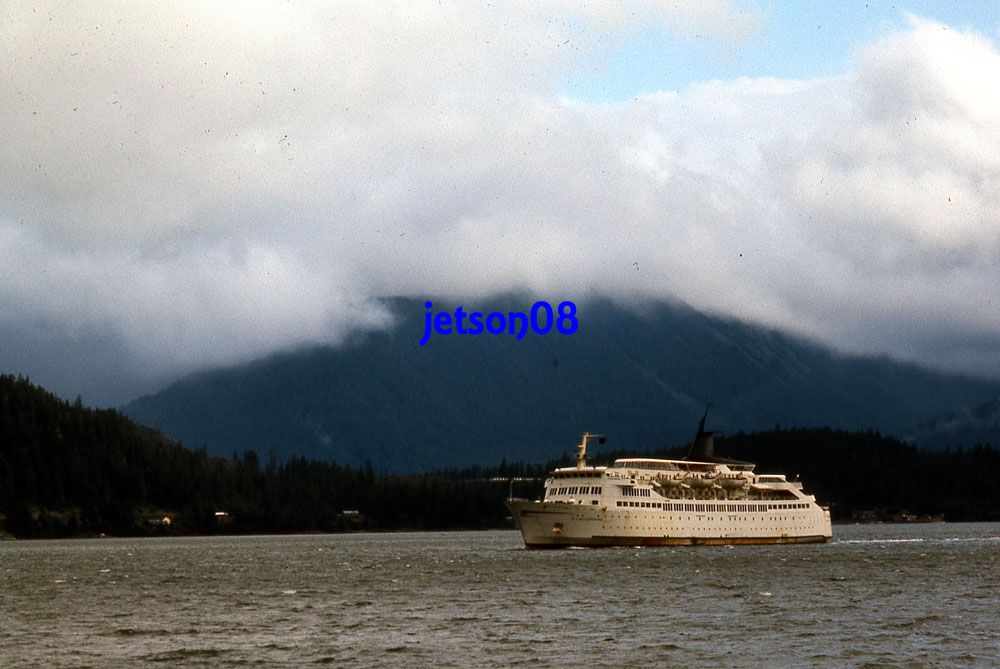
<point>68,470</point>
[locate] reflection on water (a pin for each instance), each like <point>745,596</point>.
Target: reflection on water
<point>896,594</point>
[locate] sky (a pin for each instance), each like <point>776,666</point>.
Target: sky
<point>191,185</point>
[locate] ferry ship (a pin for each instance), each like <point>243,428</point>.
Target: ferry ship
<point>650,502</point>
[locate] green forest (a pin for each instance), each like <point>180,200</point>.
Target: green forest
<point>69,470</point>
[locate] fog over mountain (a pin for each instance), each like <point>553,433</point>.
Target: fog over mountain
<point>961,428</point>
<point>189,186</point>
<point>642,375</point>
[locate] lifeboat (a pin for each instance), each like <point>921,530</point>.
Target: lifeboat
<point>733,482</point>
<point>672,487</point>
<point>700,480</point>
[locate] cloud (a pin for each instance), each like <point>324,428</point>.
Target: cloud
<point>208,185</point>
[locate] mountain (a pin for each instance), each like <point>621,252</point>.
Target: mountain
<point>955,429</point>
<point>641,375</point>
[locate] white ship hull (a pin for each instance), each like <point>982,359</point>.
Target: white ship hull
<point>653,502</point>
<point>560,525</point>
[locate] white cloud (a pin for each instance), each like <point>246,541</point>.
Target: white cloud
<point>210,185</point>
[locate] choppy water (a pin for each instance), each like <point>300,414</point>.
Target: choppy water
<point>878,595</point>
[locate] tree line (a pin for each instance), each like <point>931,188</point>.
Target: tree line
<point>70,470</point>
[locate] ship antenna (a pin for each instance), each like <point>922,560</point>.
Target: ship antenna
<point>581,448</point>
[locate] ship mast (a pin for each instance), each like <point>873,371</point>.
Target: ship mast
<point>581,448</point>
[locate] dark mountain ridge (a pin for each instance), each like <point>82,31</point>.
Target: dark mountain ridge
<point>642,375</point>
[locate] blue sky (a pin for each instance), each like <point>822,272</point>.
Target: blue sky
<point>795,40</point>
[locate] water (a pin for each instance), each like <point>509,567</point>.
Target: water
<point>878,595</point>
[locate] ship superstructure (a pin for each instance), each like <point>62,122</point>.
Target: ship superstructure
<point>648,502</point>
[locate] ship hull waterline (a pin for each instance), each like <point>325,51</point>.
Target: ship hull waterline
<point>550,526</point>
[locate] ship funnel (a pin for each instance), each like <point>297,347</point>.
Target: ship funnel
<point>704,442</point>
